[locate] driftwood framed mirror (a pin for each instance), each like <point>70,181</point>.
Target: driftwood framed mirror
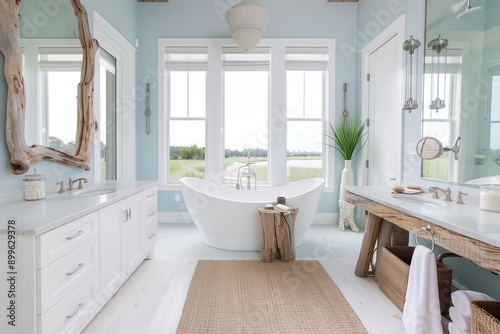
<point>22,155</point>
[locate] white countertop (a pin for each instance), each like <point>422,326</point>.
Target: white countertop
<point>37,217</point>
<point>466,219</point>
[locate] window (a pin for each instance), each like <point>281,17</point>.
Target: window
<point>223,105</point>
<point>443,124</point>
<point>186,72</point>
<point>306,70</point>
<point>246,111</point>
<point>52,72</point>
<point>494,142</point>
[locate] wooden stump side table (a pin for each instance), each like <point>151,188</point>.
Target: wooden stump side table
<point>278,234</point>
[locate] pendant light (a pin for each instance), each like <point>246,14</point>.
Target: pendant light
<point>410,61</point>
<point>247,21</point>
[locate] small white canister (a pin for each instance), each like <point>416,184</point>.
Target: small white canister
<point>489,199</point>
<point>34,187</point>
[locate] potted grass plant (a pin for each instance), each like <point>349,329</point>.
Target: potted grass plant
<point>347,137</point>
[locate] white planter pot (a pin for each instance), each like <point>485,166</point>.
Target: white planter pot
<point>346,210</point>
<point>346,180</point>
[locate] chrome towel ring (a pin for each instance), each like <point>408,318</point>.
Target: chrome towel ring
<point>430,231</point>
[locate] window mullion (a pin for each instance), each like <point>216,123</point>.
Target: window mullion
<point>304,94</point>
<point>188,92</point>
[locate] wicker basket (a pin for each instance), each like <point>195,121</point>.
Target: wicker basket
<point>394,268</point>
<point>485,316</point>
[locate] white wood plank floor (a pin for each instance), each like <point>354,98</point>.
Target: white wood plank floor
<point>152,299</point>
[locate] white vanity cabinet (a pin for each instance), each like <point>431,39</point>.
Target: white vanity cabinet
<point>121,243</point>
<point>65,269</point>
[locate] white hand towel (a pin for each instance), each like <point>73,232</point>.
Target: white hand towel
<point>421,313</point>
<point>461,299</point>
<point>453,329</point>
<point>462,321</point>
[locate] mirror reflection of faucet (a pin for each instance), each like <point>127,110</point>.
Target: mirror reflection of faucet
<point>496,159</point>
<point>247,173</point>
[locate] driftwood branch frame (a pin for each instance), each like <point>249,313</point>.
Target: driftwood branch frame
<point>22,155</point>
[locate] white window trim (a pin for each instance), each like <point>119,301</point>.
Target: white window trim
<point>214,141</point>
<point>114,43</point>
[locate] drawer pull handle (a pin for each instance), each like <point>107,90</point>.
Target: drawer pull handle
<point>152,236</point>
<point>75,311</point>
<point>152,195</point>
<point>75,235</point>
<point>80,266</point>
<point>152,213</point>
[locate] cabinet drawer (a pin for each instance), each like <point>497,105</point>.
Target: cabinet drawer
<point>60,277</point>
<point>150,231</point>
<point>74,311</point>
<point>150,212</point>
<point>150,195</point>
<point>62,240</point>
<point>150,203</point>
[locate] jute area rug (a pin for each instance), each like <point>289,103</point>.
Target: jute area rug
<point>255,297</point>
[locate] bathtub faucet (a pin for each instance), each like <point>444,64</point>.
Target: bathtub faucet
<point>247,173</point>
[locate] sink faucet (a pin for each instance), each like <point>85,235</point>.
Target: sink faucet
<point>447,193</point>
<point>80,185</point>
<point>459,197</point>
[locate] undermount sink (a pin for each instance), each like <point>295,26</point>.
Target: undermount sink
<point>416,199</point>
<point>95,191</point>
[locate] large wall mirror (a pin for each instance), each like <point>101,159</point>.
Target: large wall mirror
<point>462,71</point>
<point>49,55</point>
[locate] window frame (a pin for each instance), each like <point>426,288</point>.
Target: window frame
<point>214,141</point>
<point>494,71</point>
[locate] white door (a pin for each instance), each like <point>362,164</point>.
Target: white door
<point>382,101</point>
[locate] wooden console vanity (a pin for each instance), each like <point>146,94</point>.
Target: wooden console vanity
<point>64,257</point>
<point>463,229</point>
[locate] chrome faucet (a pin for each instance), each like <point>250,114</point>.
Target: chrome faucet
<point>459,197</point>
<point>62,189</point>
<point>80,185</point>
<point>447,193</point>
<point>247,173</point>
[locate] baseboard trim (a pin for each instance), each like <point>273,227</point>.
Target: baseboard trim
<point>319,218</point>
<point>174,217</point>
<point>326,219</point>
<point>185,217</point>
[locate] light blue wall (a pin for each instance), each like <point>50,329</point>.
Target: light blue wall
<point>122,14</point>
<point>373,17</point>
<point>204,19</point>
<point>47,19</point>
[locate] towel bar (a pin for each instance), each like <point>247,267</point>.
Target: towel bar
<point>430,231</point>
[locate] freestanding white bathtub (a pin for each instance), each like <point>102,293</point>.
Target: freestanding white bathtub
<point>229,219</point>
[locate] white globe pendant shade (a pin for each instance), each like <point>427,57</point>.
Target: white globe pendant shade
<point>247,21</point>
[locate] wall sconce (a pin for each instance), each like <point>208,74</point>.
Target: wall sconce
<point>247,20</point>
<point>410,45</point>
<point>439,50</point>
